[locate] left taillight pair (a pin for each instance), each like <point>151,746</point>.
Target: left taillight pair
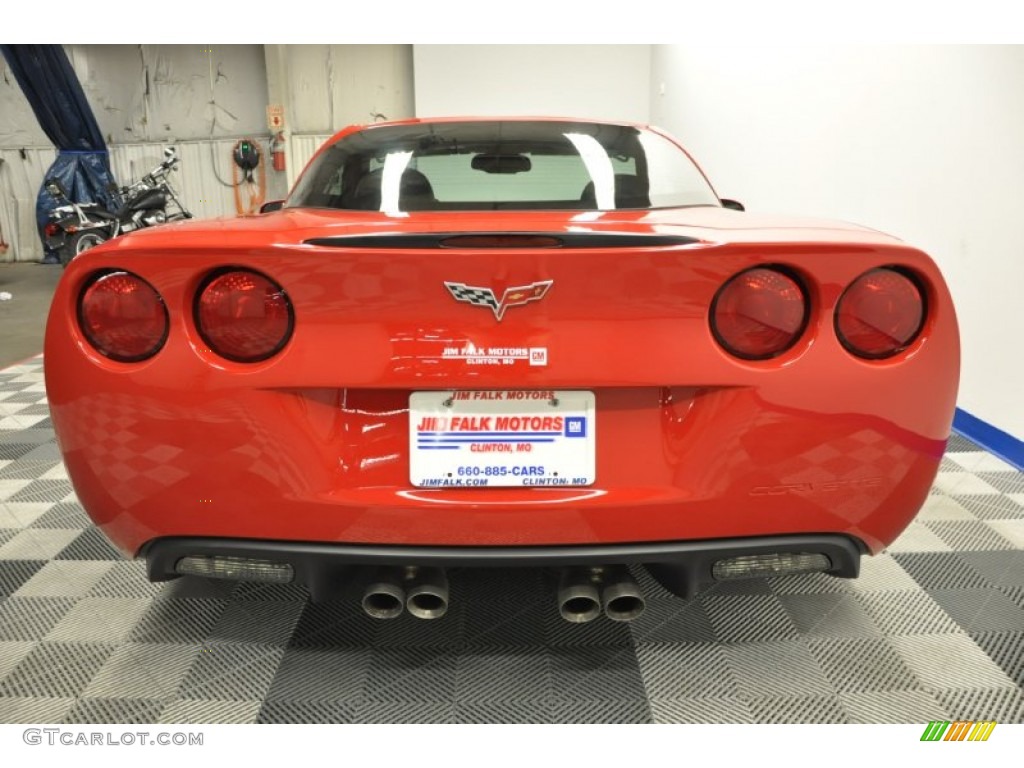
<point>240,314</point>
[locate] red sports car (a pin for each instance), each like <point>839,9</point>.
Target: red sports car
<point>471,342</point>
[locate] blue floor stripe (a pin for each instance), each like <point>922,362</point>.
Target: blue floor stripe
<point>994,440</point>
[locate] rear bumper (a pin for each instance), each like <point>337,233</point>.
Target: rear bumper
<point>683,567</point>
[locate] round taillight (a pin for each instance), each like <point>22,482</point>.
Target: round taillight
<point>880,313</point>
<point>759,313</point>
<point>123,317</point>
<point>243,315</point>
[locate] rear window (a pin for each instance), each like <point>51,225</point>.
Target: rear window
<point>502,165</point>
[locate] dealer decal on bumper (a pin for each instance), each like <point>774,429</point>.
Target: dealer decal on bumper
<point>471,354</point>
<point>501,438</point>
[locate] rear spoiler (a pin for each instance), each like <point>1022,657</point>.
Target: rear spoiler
<point>430,240</point>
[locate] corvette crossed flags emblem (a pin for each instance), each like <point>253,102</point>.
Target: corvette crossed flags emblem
<point>512,297</point>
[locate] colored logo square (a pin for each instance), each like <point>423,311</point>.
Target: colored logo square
<point>575,426</point>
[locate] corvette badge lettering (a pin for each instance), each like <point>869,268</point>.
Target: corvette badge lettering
<point>512,297</point>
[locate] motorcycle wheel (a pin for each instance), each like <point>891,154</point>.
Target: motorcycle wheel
<point>79,243</point>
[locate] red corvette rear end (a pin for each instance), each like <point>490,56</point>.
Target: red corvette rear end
<point>304,394</point>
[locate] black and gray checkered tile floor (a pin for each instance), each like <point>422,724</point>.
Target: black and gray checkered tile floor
<point>932,630</point>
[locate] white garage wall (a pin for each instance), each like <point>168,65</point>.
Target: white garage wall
<point>18,126</point>
<point>148,93</point>
<point>606,82</point>
<point>21,171</point>
<point>202,99</point>
<point>25,153</point>
<point>333,86</point>
<point>324,88</point>
<point>924,142</point>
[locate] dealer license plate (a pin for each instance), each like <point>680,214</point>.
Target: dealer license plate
<point>501,438</point>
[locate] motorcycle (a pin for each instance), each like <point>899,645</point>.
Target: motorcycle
<point>73,227</point>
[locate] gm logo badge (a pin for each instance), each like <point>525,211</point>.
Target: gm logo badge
<point>575,426</point>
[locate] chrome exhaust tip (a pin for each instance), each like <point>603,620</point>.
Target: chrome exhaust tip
<point>427,595</point>
<point>621,597</point>
<point>384,597</point>
<point>578,597</point>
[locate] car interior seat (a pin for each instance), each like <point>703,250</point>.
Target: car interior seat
<point>630,192</point>
<point>415,192</point>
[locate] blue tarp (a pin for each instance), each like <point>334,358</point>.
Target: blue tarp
<point>55,95</point>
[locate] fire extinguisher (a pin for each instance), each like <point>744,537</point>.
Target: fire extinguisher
<point>277,151</point>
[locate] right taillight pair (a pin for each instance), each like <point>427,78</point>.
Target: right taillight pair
<point>762,312</point>
<point>240,314</point>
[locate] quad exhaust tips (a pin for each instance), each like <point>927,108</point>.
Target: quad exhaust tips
<point>421,591</point>
<point>583,593</point>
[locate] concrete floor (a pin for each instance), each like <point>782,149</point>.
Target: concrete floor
<point>23,317</point>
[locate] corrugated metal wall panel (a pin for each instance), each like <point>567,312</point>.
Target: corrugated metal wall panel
<point>204,179</point>
<point>21,174</point>
<point>301,151</point>
<point>203,183</point>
